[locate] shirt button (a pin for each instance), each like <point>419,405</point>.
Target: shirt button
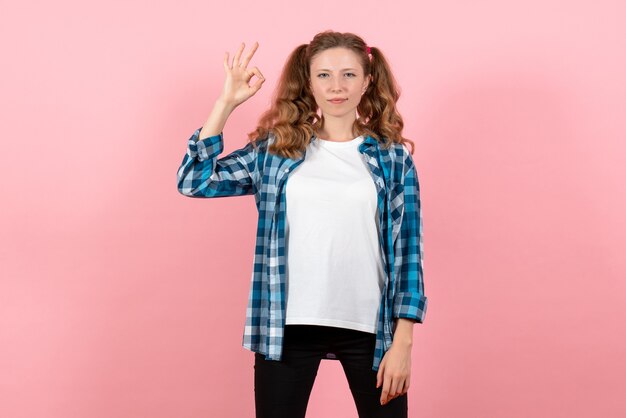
<point>286,170</point>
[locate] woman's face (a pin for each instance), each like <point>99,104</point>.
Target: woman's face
<point>336,73</point>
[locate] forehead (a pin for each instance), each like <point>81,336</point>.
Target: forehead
<point>335,59</point>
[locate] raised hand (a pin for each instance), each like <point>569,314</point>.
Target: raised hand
<point>236,88</point>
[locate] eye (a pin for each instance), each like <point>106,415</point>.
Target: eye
<point>352,75</point>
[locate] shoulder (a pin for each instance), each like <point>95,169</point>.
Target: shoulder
<point>259,145</point>
<point>403,167</point>
<point>400,155</point>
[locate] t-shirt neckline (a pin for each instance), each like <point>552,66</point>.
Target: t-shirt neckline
<point>340,144</point>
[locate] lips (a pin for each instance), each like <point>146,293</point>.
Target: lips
<point>337,101</point>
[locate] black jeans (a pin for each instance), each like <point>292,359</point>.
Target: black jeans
<point>282,388</point>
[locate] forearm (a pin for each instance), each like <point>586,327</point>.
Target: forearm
<point>217,119</point>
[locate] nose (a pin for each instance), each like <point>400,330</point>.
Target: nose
<point>337,84</point>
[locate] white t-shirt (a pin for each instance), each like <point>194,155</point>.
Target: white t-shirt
<point>335,274</point>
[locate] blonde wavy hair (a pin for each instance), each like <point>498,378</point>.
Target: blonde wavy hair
<point>293,116</point>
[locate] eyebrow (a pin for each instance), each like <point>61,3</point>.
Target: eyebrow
<point>345,69</point>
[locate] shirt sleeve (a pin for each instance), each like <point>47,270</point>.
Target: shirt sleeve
<point>409,299</point>
<point>203,174</point>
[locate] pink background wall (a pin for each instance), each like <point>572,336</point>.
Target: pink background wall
<point>119,297</point>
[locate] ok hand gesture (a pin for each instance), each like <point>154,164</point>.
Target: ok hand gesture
<point>236,89</point>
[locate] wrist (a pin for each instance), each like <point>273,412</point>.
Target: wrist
<point>402,339</point>
<point>403,332</point>
<point>224,105</point>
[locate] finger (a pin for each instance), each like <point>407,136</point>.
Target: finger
<point>400,388</point>
<point>260,80</point>
<point>239,51</point>
<point>247,59</point>
<point>226,61</point>
<point>257,72</point>
<point>393,388</point>
<point>385,394</point>
<point>405,388</point>
<point>379,375</point>
<point>257,86</point>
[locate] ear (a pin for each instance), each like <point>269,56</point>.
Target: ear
<point>369,81</point>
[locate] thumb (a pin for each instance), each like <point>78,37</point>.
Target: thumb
<point>260,79</point>
<point>257,86</point>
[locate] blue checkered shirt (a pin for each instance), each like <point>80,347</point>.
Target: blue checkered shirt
<point>250,171</point>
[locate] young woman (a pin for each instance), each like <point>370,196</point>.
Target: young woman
<point>338,258</point>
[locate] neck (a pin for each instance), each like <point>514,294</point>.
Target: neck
<point>337,129</point>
